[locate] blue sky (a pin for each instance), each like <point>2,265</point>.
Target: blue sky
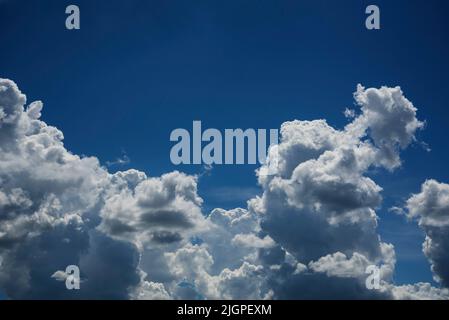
<point>139,69</point>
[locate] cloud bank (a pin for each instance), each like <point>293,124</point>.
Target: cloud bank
<point>311,233</point>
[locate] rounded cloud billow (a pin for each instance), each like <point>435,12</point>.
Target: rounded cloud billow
<point>311,232</point>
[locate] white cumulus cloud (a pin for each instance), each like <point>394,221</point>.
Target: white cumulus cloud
<point>310,233</point>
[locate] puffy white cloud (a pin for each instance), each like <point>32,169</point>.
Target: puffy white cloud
<point>321,205</point>
<point>431,205</point>
<point>310,234</point>
<point>225,257</point>
<point>391,120</point>
<point>318,210</point>
<point>419,291</point>
<point>339,265</point>
<point>251,240</point>
<point>74,210</point>
<point>151,291</point>
<point>246,282</point>
<point>59,209</point>
<point>157,210</point>
<point>431,208</point>
<point>47,195</point>
<point>325,205</point>
<point>226,237</point>
<point>193,264</point>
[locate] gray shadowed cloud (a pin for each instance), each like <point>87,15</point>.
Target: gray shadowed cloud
<point>309,232</point>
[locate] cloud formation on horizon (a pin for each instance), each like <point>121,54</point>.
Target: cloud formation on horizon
<point>311,233</point>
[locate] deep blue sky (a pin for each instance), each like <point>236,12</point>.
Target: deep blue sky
<point>139,69</point>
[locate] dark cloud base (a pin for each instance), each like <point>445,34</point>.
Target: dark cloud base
<point>309,234</point>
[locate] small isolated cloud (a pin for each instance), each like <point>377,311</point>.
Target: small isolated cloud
<point>59,275</point>
<point>349,113</point>
<point>121,161</point>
